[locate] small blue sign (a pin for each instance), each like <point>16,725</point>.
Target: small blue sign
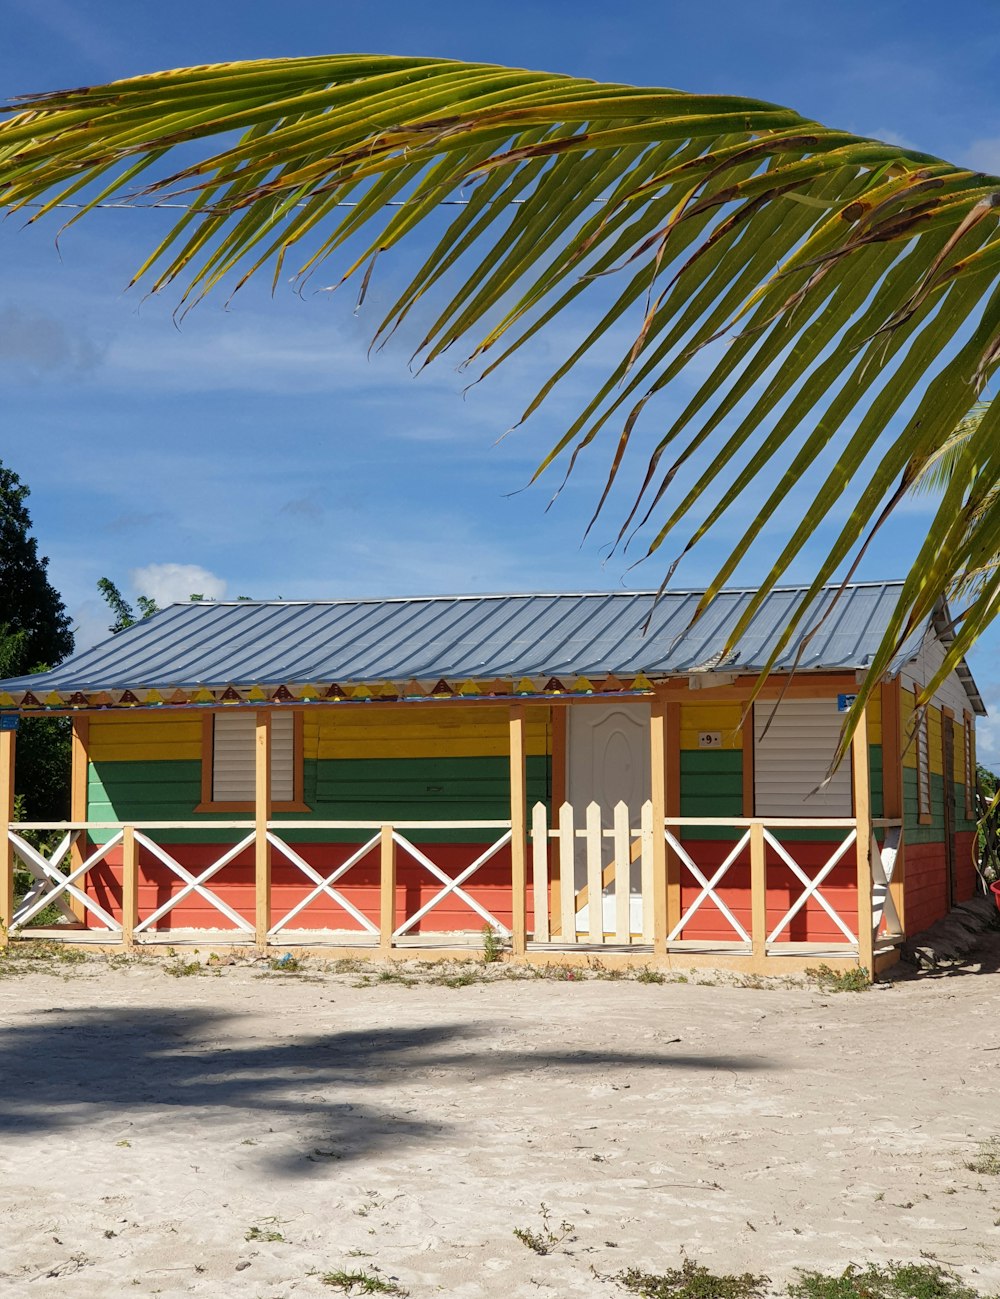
<point>8,721</point>
<point>844,703</point>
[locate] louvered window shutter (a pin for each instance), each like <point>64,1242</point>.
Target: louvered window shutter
<point>233,757</point>
<point>793,759</point>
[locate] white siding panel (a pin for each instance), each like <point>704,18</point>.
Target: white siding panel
<point>793,757</point>
<point>233,758</point>
<point>951,693</point>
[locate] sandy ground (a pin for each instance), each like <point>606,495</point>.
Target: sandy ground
<point>150,1122</point>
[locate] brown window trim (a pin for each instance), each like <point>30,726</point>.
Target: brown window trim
<point>923,737</point>
<point>297,803</point>
<point>969,762</point>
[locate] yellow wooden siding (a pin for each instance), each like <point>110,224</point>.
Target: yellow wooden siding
<point>138,737</point>
<point>423,731</point>
<point>722,717</point>
<point>875,718</point>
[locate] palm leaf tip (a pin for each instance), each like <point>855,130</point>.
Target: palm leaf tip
<point>830,261</point>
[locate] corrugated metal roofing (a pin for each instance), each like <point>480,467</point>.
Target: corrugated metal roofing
<point>250,643</point>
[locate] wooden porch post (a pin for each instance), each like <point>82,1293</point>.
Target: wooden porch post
<point>518,831</point>
<point>80,757</point>
<point>863,820</point>
<point>130,887</point>
<point>659,739</point>
<point>387,889</point>
<point>8,749</point>
<point>262,814</point>
<point>892,786</point>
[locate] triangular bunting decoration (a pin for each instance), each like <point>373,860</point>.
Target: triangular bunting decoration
<point>642,682</point>
<point>583,686</point>
<point>387,690</point>
<point>554,687</point>
<point>282,696</point>
<point>335,692</point>
<point>230,696</point>
<point>255,695</point>
<point>442,688</point>
<point>178,697</point>
<point>414,690</point>
<point>54,700</point>
<point>7,701</point>
<point>308,693</point>
<point>203,696</point>
<point>76,700</point>
<point>361,691</point>
<point>127,697</point>
<point>499,687</point>
<point>610,684</point>
<point>469,687</point>
<point>153,697</point>
<point>525,687</point>
<point>29,701</point>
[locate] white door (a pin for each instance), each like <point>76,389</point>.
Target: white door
<point>607,763</point>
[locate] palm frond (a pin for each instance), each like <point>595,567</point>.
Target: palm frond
<point>857,280</point>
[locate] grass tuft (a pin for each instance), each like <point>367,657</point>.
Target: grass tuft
<point>361,1283</point>
<point>894,1281</point>
<point>545,1240</point>
<point>987,1161</point>
<point>856,980</point>
<point>692,1281</point>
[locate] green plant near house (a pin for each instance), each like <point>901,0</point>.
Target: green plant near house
<point>361,1283</point>
<point>856,980</point>
<point>493,947</point>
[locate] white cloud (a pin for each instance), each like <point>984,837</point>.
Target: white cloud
<point>167,583</point>
<point>984,155</point>
<point>988,736</point>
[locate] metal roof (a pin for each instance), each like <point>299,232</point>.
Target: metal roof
<point>271,643</point>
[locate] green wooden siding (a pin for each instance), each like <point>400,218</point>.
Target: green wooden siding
<point>405,789</point>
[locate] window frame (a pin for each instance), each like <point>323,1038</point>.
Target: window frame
<point>969,753</point>
<point>208,804</point>
<point>922,747</point>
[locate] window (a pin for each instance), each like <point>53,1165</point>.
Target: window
<point>793,759</point>
<point>922,743</point>
<point>969,736</point>
<point>229,770</point>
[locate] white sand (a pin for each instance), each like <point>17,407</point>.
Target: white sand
<point>149,1122</point>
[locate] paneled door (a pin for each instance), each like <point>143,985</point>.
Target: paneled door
<point>608,762</point>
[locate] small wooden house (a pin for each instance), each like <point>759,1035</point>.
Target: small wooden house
<point>580,773</point>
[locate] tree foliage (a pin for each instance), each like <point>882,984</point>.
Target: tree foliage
<point>35,634</point>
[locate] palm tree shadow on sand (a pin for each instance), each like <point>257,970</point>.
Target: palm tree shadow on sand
<point>75,1067</point>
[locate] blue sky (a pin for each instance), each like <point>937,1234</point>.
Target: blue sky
<point>257,450</point>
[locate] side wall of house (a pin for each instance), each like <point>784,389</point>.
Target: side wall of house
<point>937,875</point>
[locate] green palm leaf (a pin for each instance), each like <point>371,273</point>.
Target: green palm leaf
<point>858,282</point>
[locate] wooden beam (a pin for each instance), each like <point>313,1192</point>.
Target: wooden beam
<point>387,888</point>
<point>892,786</point>
<point>758,896</point>
<point>262,814</point>
<point>560,734</point>
<point>518,831</point>
<point>658,737</point>
<point>863,816</point>
<point>749,797</point>
<point>79,767</point>
<point>672,797</point>
<point>130,886</point>
<point>8,750</point>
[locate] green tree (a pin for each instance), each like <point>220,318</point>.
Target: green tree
<point>35,634</point>
<point>858,282</point>
<point>125,615</point>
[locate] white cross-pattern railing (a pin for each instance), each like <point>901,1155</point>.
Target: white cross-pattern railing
<point>884,857</point>
<point>452,884</point>
<point>708,889</point>
<point>591,882</point>
<point>811,885</point>
<point>51,883</point>
<point>194,883</point>
<point>323,885</point>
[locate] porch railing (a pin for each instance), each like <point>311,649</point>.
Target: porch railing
<point>746,886</point>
